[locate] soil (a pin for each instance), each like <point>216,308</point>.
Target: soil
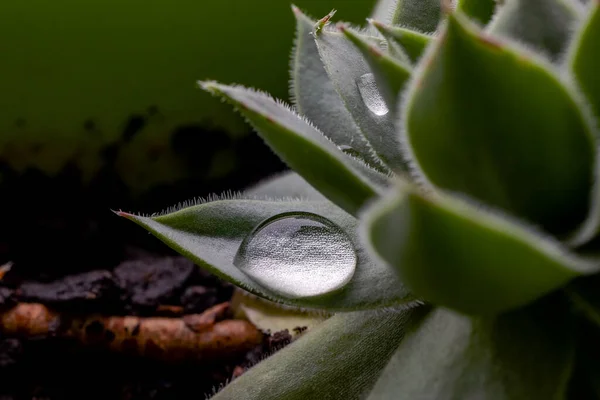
<point>62,247</point>
<point>55,367</point>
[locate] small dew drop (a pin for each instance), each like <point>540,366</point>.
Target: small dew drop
<point>297,255</point>
<point>371,96</point>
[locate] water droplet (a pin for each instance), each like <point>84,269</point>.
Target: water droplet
<point>298,254</point>
<point>371,95</point>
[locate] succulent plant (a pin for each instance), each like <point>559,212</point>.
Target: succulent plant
<point>444,205</point>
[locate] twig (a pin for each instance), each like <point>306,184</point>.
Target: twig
<point>196,337</point>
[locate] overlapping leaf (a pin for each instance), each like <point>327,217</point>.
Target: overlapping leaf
<point>453,254</point>
<point>391,75</point>
<point>523,355</point>
<point>340,178</point>
<point>339,359</point>
<point>490,143</point>
<point>585,57</point>
<point>383,10</point>
<point>413,43</point>
<point>546,25</point>
<point>316,99</point>
<point>479,10</point>
<point>354,81</point>
<point>421,15</point>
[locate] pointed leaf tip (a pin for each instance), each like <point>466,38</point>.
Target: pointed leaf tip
<point>376,24</point>
<point>123,214</point>
<point>324,21</point>
<point>411,43</point>
<point>208,85</point>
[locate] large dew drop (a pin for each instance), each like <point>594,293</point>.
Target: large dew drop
<point>298,255</point>
<point>371,96</point>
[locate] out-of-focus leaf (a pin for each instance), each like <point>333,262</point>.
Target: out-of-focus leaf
<point>340,178</point>
<point>383,10</point>
<point>524,355</point>
<point>339,359</point>
<point>545,25</point>
<point>452,254</point>
<point>412,42</point>
<point>422,15</point>
<point>585,58</point>
<point>210,234</point>
<point>479,10</point>
<point>490,143</point>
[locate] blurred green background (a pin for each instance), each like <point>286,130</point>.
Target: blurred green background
<point>78,76</point>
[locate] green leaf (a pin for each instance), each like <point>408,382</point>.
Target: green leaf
<point>390,74</point>
<point>315,97</point>
<point>585,58</point>
<point>422,15</point>
<point>524,355</point>
<point>519,139</point>
<point>210,234</point>
<point>459,256</point>
<point>284,185</point>
<point>340,178</point>
<point>545,25</point>
<point>355,82</point>
<point>339,359</point>
<point>479,10</point>
<point>412,42</point>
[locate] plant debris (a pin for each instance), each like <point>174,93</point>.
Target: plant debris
<point>198,337</point>
<point>164,338</point>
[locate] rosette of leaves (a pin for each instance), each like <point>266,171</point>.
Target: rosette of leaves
<point>444,205</point>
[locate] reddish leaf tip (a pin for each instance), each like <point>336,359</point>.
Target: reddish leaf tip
<point>375,51</point>
<point>375,23</point>
<point>326,18</point>
<point>123,214</point>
